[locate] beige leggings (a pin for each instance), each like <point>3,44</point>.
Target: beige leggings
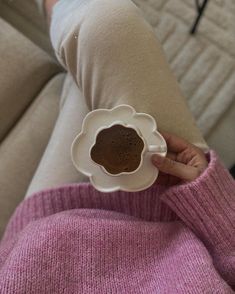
<point>113,57</point>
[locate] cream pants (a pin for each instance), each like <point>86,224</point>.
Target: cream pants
<point>112,57</point>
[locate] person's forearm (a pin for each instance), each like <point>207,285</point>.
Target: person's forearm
<point>207,207</point>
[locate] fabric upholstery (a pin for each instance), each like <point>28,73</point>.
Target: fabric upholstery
<point>25,69</point>
<point>22,149</point>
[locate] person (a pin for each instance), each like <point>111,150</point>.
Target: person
<point>176,236</point>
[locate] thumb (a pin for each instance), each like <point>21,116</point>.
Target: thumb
<point>174,168</point>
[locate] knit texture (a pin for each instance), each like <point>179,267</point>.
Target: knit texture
<point>75,239</point>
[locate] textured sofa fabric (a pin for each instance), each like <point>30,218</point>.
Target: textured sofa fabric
<point>30,89</point>
<point>26,70</point>
<point>25,17</point>
<point>23,147</point>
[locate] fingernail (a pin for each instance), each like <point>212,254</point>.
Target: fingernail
<point>157,159</point>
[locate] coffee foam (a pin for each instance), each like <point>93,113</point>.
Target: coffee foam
<point>118,149</point>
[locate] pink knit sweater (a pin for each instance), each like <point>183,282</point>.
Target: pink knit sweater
<point>75,239</point>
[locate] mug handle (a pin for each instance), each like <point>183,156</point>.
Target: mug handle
<point>156,149</point>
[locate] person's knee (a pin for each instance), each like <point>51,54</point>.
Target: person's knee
<point>110,25</point>
<point>109,17</point>
<point>107,10</point>
<point>81,28</point>
<point>90,17</point>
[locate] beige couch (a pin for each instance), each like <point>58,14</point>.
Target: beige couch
<point>29,102</point>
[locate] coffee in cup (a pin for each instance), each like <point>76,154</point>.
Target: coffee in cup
<point>118,149</point>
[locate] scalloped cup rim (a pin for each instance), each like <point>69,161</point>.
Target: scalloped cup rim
<point>106,186</point>
<point>114,189</point>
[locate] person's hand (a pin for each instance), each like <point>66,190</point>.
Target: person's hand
<point>184,162</point>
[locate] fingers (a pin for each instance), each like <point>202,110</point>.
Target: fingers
<point>167,180</point>
<point>174,143</point>
<point>171,155</point>
<point>184,160</point>
<point>175,168</point>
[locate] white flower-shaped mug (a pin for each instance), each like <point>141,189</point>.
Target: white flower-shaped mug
<point>125,115</point>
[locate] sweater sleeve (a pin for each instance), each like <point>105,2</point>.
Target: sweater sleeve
<point>207,207</point>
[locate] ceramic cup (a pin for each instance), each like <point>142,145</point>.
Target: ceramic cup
<point>146,149</point>
<point>131,180</point>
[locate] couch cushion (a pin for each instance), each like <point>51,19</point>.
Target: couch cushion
<point>22,149</point>
<point>29,10</point>
<point>25,17</point>
<point>25,69</point>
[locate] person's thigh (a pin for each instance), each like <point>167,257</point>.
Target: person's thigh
<point>115,58</point>
<point>56,168</point>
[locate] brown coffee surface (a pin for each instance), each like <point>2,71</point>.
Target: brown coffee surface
<point>118,149</point>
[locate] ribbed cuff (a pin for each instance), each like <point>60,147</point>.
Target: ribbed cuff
<point>207,205</point>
